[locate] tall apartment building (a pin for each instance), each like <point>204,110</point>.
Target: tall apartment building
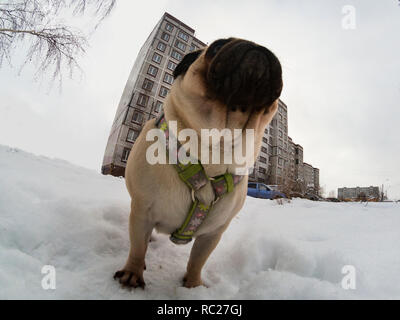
<point>147,87</point>
<point>311,178</point>
<point>273,158</point>
<point>148,84</point>
<point>280,161</point>
<point>357,192</point>
<point>316,181</point>
<point>299,164</point>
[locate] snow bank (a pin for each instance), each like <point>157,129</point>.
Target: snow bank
<point>55,213</point>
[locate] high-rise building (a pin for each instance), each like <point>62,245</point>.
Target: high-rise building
<point>298,163</point>
<point>316,181</point>
<point>148,84</point>
<point>309,176</point>
<point>272,161</point>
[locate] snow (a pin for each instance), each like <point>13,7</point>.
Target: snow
<point>55,213</point>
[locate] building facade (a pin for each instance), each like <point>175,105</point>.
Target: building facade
<point>148,84</point>
<point>358,192</point>
<point>280,161</point>
<point>273,160</point>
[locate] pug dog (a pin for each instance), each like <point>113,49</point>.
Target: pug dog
<point>231,84</point>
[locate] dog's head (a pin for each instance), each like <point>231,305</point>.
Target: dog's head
<point>239,74</point>
<point>231,84</point>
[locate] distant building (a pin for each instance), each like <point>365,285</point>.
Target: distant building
<point>308,175</point>
<point>358,192</point>
<point>316,181</point>
<point>298,163</point>
<point>148,84</point>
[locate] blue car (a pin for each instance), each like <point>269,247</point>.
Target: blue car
<point>261,190</point>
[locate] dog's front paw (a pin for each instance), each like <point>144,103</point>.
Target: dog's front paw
<point>190,282</point>
<point>130,279</point>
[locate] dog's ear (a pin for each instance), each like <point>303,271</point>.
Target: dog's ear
<point>184,65</point>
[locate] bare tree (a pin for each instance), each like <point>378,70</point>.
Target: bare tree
<point>320,191</point>
<point>51,42</point>
<point>300,186</point>
<point>287,182</point>
<point>362,197</point>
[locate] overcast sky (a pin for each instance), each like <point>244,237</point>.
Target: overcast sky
<point>342,86</point>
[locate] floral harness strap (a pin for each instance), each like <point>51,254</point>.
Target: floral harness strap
<point>194,176</point>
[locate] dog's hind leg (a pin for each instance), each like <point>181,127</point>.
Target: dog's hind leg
<point>140,228</point>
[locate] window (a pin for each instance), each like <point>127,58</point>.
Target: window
<point>265,140</point>
<point>280,134</point>
<point>264,149</point>
<point>270,140</point>
<point>165,36</point>
<point>137,117</point>
<point>261,170</point>
<point>180,45</point>
<point>263,160</point>
<point>171,65</point>
<point>252,185</point>
<point>158,106</point>
<point>157,58</point>
<point>184,36</point>
<point>161,46</point>
<point>169,27</point>
<point>147,84</point>
<point>297,161</point>
<point>163,92</point>
<point>152,70</point>
<point>176,55</point>
<point>262,187</point>
<point>266,131</point>
<point>125,155</point>
<point>168,78</point>
<point>142,100</point>
<point>280,161</point>
<point>193,47</point>
<point>132,135</point>
<point>271,132</point>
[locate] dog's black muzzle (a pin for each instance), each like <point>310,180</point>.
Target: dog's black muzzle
<point>243,75</point>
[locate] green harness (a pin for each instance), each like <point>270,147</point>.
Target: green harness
<point>194,176</point>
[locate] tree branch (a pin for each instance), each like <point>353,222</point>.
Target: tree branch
<point>51,44</point>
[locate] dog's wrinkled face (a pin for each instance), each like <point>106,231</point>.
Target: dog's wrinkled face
<point>233,84</point>
<point>239,74</point>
